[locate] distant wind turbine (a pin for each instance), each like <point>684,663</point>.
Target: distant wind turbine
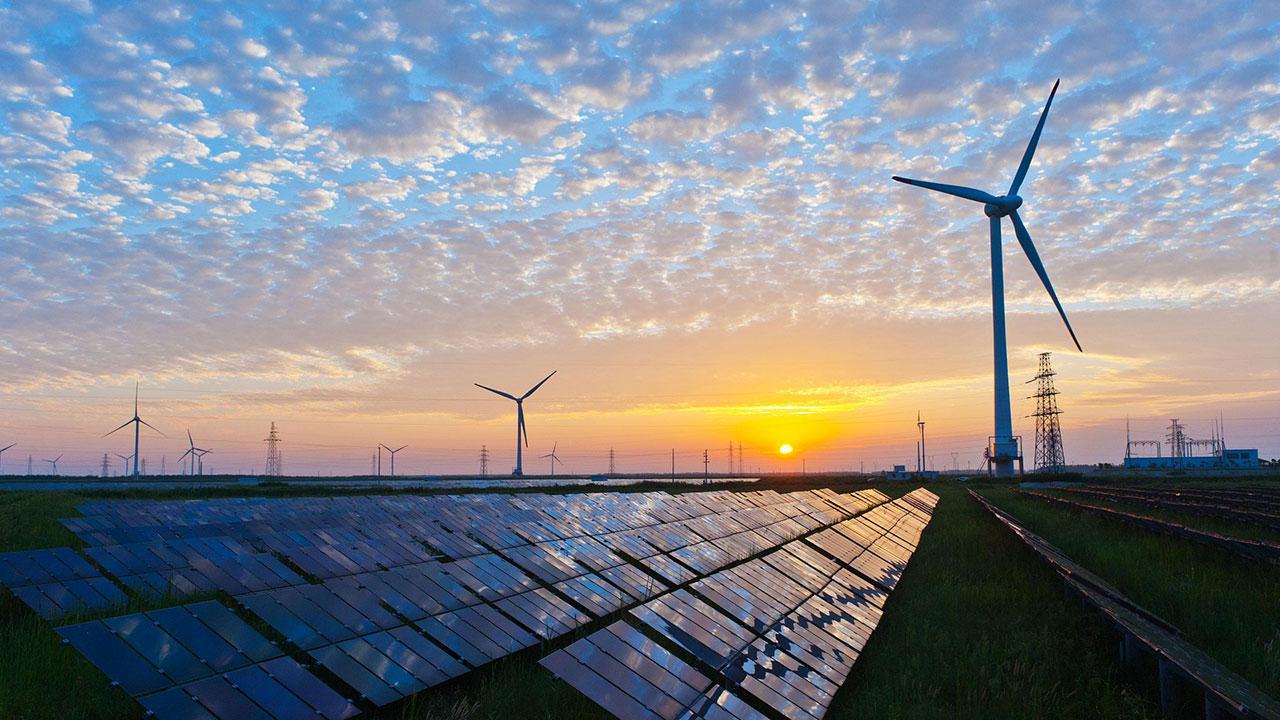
<point>554,458</point>
<point>195,453</point>
<point>1005,446</point>
<point>126,459</point>
<point>522,435</point>
<point>199,454</point>
<point>393,456</point>
<point>5,448</point>
<point>137,429</point>
<point>54,463</point>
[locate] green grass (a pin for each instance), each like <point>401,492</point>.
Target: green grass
<point>1226,606</point>
<point>1222,526</point>
<point>979,628</point>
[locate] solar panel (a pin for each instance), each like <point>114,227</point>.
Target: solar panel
<point>115,658</point>
<point>157,647</point>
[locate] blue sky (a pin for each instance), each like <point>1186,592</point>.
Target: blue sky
<point>317,211</point>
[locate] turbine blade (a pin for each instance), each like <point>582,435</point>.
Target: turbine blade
<point>401,448</point>
<point>960,191</point>
<point>509,396</point>
<point>144,422</point>
<point>1028,247</point>
<point>1035,140</point>
<point>189,440</point>
<point>7,447</point>
<point>119,428</point>
<point>57,458</point>
<point>534,389</point>
<point>183,455</point>
<point>523,430</point>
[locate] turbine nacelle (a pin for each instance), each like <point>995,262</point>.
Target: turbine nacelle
<point>1003,206</point>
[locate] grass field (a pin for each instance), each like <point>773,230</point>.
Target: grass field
<point>1227,606</point>
<point>1222,526</point>
<point>978,627</point>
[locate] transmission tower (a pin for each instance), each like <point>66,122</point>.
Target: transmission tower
<point>1048,454</point>
<point>484,461</point>
<point>611,466</point>
<point>106,466</point>
<point>273,441</point>
<point>1177,439</point>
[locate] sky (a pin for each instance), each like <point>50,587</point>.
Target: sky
<point>337,216</point>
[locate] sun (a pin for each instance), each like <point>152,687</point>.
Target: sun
<point>784,449</point>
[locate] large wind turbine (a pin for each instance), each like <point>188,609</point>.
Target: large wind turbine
<point>137,429</point>
<point>197,454</point>
<point>1004,446</point>
<point>54,463</point>
<point>7,447</point>
<point>521,434</point>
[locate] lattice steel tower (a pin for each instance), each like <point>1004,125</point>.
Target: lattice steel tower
<point>1048,456</point>
<point>484,461</point>
<point>273,441</point>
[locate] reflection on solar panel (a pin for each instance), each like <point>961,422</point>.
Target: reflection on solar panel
<point>378,598</point>
<point>777,634</point>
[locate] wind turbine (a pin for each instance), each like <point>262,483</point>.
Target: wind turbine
<point>126,459</point>
<point>199,455</point>
<point>137,429</point>
<point>393,456</point>
<point>553,457</point>
<point>5,448</point>
<point>1005,448</point>
<point>54,463</point>
<point>521,433</point>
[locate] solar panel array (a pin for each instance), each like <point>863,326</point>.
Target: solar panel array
<point>776,634</point>
<point>378,598</point>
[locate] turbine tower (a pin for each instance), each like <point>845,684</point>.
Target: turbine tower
<point>1004,447</point>
<point>393,456</point>
<point>522,435</point>
<point>7,447</point>
<point>554,458</point>
<point>137,429</point>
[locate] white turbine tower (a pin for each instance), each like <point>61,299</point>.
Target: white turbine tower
<point>3,449</point>
<point>554,458</point>
<point>521,434</point>
<point>137,429</point>
<point>1004,446</point>
<point>393,456</point>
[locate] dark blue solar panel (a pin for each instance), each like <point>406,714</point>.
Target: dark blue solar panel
<point>382,666</point>
<point>175,704</point>
<point>355,675</point>
<point>243,638</point>
<point>428,650</point>
<point>224,701</point>
<point>329,704</point>
<point>455,642</point>
<point>203,642</point>
<point>158,647</point>
<point>264,690</point>
<point>283,621</point>
<point>114,657</point>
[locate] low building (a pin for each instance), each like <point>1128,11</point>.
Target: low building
<point>1226,459</point>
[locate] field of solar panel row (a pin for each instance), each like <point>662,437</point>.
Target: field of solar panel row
<point>777,634</point>
<point>389,595</point>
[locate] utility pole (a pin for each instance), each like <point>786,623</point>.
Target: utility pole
<point>673,463</point>
<point>373,464</point>
<point>731,458</point>
<point>611,470</point>
<point>484,461</point>
<point>164,459</point>
<point>706,467</point>
<point>1048,453</point>
<point>144,466</point>
<point>920,461</point>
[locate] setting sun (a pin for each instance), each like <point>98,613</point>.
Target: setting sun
<point>784,449</point>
